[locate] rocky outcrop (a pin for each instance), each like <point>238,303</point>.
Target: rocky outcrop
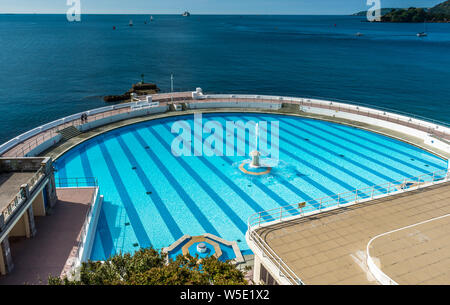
<point>139,88</point>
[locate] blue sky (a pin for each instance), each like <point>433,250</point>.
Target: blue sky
<point>300,7</point>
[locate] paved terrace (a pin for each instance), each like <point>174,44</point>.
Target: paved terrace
<point>182,97</point>
<point>330,248</point>
<point>10,185</point>
<point>55,243</point>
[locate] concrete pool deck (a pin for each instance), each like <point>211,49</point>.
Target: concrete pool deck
<point>60,148</point>
<point>56,242</point>
<point>330,247</point>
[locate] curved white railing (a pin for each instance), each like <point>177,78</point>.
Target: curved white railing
<point>283,269</point>
<point>307,208</point>
<point>437,128</point>
<point>46,132</point>
<point>37,136</point>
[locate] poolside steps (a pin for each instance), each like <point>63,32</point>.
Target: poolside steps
<point>69,132</point>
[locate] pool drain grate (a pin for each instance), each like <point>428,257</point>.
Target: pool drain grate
<point>149,193</point>
<point>127,223</point>
<point>134,168</point>
<point>135,245</point>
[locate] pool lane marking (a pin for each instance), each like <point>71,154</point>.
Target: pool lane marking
<point>246,198</point>
<point>241,193</point>
<point>105,237</point>
<point>311,181</point>
<point>167,218</point>
<point>242,226</point>
<point>277,199</point>
<point>377,162</point>
<point>381,162</point>
<point>133,215</point>
<point>335,165</point>
<point>377,138</point>
<point>194,209</point>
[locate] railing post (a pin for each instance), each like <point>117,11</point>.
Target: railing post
<point>339,200</point>
<point>389,188</point>
<point>281,213</point>
<point>373,190</point>
<point>356,196</point>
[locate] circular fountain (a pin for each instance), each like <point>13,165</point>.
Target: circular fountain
<point>201,248</point>
<point>255,166</point>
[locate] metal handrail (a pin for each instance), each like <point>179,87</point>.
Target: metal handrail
<point>345,198</point>
<point>299,210</point>
<point>354,103</point>
<point>283,268</point>
<point>83,233</point>
<point>405,118</point>
<point>74,120</point>
<point>76,182</point>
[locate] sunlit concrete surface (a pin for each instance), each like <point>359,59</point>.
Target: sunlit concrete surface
<point>418,254</point>
<point>10,185</point>
<point>55,242</point>
<point>330,247</point>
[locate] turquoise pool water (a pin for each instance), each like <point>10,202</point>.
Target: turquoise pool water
<point>152,198</point>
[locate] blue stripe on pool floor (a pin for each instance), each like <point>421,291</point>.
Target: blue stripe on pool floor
<point>198,214</point>
<point>133,215</point>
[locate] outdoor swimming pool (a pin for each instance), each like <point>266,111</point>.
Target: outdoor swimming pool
<point>152,198</point>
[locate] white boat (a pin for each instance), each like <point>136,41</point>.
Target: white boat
<point>186,14</point>
<point>359,34</point>
<point>422,34</point>
<point>151,18</point>
<point>131,23</point>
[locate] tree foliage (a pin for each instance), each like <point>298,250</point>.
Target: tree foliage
<point>150,267</point>
<point>439,13</point>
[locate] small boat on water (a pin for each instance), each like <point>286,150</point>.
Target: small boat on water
<point>151,18</point>
<point>359,34</point>
<point>131,23</point>
<point>186,14</point>
<point>422,34</point>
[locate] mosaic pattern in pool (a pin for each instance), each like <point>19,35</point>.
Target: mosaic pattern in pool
<point>152,198</point>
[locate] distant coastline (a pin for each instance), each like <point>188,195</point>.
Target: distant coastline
<point>437,14</point>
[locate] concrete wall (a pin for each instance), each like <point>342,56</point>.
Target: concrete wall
<point>92,227</point>
<point>122,116</point>
<point>218,104</point>
<point>21,164</point>
<point>46,145</point>
<point>381,123</point>
<point>21,228</point>
<point>39,206</point>
<point>437,143</point>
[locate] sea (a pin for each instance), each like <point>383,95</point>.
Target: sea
<point>51,68</point>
